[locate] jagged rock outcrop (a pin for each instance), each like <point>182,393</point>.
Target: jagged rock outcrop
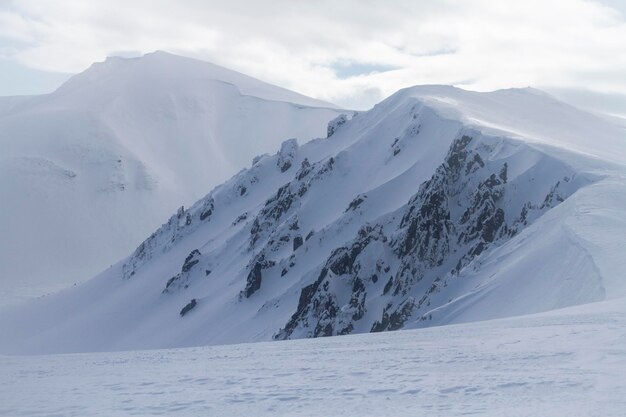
<point>287,154</point>
<point>180,280</point>
<point>335,124</point>
<point>188,307</point>
<point>255,276</point>
<point>455,216</point>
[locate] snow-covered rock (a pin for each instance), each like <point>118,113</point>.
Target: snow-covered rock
<point>335,124</point>
<point>437,206</point>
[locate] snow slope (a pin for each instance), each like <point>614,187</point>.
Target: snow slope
<point>565,363</point>
<point>88,171</point>
<point>437,206</point>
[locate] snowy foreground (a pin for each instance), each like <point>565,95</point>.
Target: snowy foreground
<point>570,362</point>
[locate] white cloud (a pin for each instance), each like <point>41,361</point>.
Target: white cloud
<point>478,44</point>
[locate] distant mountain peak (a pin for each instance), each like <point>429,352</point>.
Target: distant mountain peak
<point>141,136</point>
<point>163,68</point>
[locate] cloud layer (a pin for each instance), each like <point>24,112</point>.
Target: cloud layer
<point>350,52</point>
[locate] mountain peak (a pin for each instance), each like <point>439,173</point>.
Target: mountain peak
<point>163,69</point>
<point>129,138</point>
<point>526,113</point>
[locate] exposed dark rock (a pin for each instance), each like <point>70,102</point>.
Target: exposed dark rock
<point>240,218</point>
<point>297,242</point>
<point>401,315</point>
<point>170,282</point>
<point>553,197</point>
<point>335,124</point>
<point>305,169</point>
<point>381,325</point>
<point>474,165</point>
<point>458,153</point>
<point>426,238</point>
<point>180,280</point>
<point>190,305</point>
<point>354,204</point>
<point>395,146</point>
<point>255,276</point>
<point>258,158</point>
<point>388,286</point>
<point>305,303</point>
<point>275,208</point>
<point>357,300</point>
<point>316,300</point>
<point>285,166</point>
<point>504,173</point>
<point>287,154</point>
<point>397,318</point>
<point>207,209</point>
<point>326,167</point>
<point>346,330</point>
<point>191,260</point>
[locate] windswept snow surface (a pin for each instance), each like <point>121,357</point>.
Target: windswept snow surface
<point>90,170</point>
<point>568,363</point>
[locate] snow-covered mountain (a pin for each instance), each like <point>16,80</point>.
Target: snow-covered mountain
<point>437,206</point>
<point>88,171</point>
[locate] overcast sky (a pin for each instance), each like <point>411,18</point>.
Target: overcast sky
<point>352,53</point>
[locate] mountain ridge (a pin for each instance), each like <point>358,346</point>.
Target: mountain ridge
<point>456,222</point>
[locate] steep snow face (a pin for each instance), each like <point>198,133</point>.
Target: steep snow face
<point>88,171</point>
<point>404,216</point>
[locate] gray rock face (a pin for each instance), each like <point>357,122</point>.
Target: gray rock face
<point>190,306</point>
<point>335,124</point>
<point>390,272</point>
<point>181,279</point>
<point>255,276</point>
<point>287,154</point>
